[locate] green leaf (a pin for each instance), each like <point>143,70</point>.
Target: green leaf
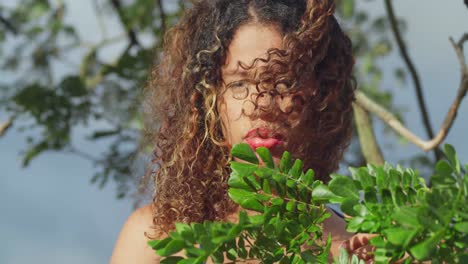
<point>363,176</point>
<point>266,186</point>
<point>217,257</point>
<point>370,195</point>
<point>231,254</point>
<point>309,257</point>
<point>347,206</point>
<point>443,168</point>
<point>344,186</point>
<point>252,181</point>
<point>38,9</point>
<point>198,260</point>
<point>266,157</point>
<point>245,199</point>
<point>285,163</point>
<point>241,251</point>
<point>308,178</point>
<point>322,193</point>
<point>171,260</point>
<point>73,86</point>
<point>423,250</point>
<point>243,169</point>
<point>296,170</point>
<point>172,247</point>
<point>452,157</point>
<point>344,256</point>
<point>354,224</point>
<point>348,8</point>
<point>406,216</point>
<point>399,236</point>
<point>158,244</point>
<point>243,151</point>
<point>291,205</point>
<point>185,231</point>
<point>277,201</point>
<point>461,227</point>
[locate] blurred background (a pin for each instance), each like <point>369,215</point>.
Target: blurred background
<point>71,73</point>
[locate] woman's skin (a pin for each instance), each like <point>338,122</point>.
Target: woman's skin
<point>250,41</point>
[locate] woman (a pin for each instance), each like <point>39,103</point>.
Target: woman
<point>272,73</point>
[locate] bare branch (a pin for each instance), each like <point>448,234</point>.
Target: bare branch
<point>132,36</point>
<point>8,25</point>
<point>6,125</point>
<point>163,17</point>
<point>370,148</point>
<point>392,121</point>
<point>412,69</point>
<point>82,154</point>
<point>459,51</point>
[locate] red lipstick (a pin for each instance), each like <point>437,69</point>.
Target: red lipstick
<point>262,137</point>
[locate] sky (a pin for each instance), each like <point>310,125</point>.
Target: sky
<point>50,213</point>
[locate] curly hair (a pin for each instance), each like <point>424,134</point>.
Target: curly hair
<point>182,121</point>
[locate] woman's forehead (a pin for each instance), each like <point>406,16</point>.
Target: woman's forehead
<point>250,41</point>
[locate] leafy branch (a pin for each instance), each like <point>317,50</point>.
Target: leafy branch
<point>410,219</point>
<point>412,222</point>
<point>288,226</point>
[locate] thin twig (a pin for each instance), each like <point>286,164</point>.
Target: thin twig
<point>162,14</point>
<point>393,122</point>
<point>459,51</point>
<point>8,25</point>
<point>132,36</point>
<point>412,69</point>
<point>82,154</point>
<point>6,125</point>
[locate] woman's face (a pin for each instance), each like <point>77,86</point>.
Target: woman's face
<point>236,106</point>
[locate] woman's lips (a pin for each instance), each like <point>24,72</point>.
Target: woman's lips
<point>269,143</point>
<point>263,137</point>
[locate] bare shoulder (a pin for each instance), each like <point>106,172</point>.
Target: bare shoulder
<point>131,245</point>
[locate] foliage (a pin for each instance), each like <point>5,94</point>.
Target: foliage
<point>47,55</point>
<point>410,220</point>
<point>290,207</point>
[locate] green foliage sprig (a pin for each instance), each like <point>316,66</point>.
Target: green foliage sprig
<point>410,220</point>
<point>287,228</point>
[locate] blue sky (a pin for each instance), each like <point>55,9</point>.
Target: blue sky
<point>52,214</point>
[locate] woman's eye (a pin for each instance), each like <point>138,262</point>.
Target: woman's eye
<point>240,89</point>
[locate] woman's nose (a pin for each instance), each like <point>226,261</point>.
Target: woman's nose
<point>285,103</point>
<point>268,101</point>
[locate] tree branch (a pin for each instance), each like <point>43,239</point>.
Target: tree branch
<point>412,69</point>
<point>8,25</point>
<point>162,13</point>
<point>370,148</point>
<point>6,125</point>
<point>392,121</point>
<point>132,36</point>
<point>459,51</point>
<point>83,155</point>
